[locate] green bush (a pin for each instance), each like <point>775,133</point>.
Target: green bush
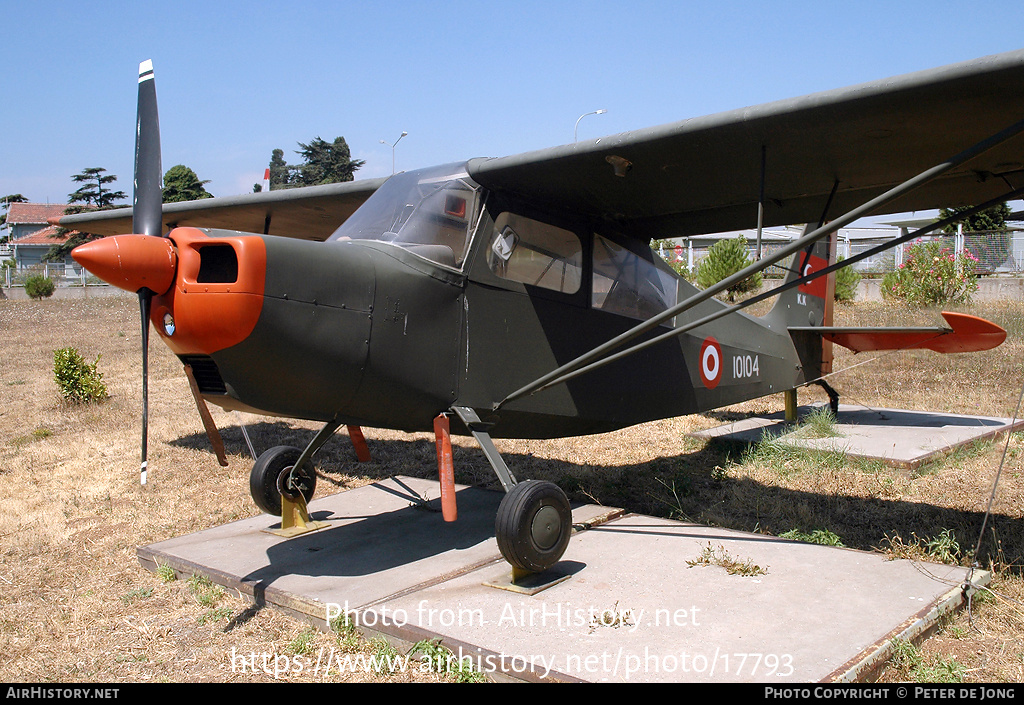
<point>846,284</point>
<point>39,287</point>
<point>725,258</point>
<point>78,381</point>
<point>931,275</point>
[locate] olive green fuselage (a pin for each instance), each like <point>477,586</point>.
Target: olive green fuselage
<point>370,333</point>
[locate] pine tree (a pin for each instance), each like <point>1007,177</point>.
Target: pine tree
<point>92,194</point>
<point>725,258</point>
<point>326,162</point>
<point>280,172</point>
<point>323,163</point>
<point>847,280</point>
<point>182,184</point>
<point>6,201</point>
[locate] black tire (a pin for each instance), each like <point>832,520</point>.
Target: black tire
<point>269,473</point>
<point>533,525</point>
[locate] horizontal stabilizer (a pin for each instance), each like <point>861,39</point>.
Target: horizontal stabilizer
<point>966,334</point>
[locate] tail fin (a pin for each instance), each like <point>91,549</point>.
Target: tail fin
<point>808,305</point>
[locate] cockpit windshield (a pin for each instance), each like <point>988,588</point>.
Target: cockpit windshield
<point>429,212</point>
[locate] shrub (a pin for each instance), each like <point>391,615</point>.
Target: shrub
<point>78,381</point>
<point>847,280</point>
<point>39,287</point>
<point>931,275</point>
<point>725,258</point>
<point>666,250</point>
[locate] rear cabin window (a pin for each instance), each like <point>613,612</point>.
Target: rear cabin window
<point>630,285</point>
<point>530,252</point>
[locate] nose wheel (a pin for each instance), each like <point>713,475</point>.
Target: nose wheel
<point>272,477</point>
<point>533,525</point>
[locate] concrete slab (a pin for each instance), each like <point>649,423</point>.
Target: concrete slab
<point>899,437</point>
<point>639,605</point>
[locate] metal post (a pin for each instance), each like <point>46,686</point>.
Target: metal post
<point>791,405</point>
<point>760,201</point>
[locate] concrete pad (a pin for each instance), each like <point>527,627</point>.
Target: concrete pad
<point>899,437</point>
<point>638,604</point>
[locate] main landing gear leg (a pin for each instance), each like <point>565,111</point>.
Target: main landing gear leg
<point>833,397</point>
<point>534,519</point>
<point>283,480</point>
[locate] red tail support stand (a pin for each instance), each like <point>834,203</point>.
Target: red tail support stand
<point>359,443</point>
<point>445,467</point>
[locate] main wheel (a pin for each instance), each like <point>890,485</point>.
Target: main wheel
<point>533,525</point>
<point>271,477</point>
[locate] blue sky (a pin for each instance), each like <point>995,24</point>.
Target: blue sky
<point>465,79</point>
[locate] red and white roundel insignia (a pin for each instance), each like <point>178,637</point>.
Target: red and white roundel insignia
<point>710,363</point>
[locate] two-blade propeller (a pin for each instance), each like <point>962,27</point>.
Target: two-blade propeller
<point>145,262</point>
<point>147,213</point>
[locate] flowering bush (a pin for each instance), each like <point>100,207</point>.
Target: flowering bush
<point>931,275</point>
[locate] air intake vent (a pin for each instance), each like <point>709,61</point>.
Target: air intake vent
<point>204,369</point>
<point>218,264</point>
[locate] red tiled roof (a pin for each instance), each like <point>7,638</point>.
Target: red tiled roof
<point>42,237</point>
<point>34,212</point>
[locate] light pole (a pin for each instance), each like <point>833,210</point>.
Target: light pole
<point>393,151</point>
<point>602,111</point>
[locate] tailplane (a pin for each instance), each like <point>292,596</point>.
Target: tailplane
<point>805,311</point>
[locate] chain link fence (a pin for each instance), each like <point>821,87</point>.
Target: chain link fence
<point>997,252</point>
<point>63,275</point>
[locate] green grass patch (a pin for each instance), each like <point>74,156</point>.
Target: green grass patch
<point>910,665</point>
<point>823,537</point>
<point>205,591</point>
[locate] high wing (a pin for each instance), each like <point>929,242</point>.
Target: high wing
<point>703,175</point>
<point>310,213</point>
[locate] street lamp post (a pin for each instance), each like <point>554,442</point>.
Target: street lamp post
<point>602,111</point>
<point>393,150</point>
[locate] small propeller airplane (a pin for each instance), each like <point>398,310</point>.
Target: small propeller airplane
<point>481,297</point>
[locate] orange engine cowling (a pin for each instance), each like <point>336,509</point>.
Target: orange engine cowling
<point>217,295</point>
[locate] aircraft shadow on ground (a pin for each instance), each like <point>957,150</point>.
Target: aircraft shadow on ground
<point>690,487</point>
<point>370,545</point>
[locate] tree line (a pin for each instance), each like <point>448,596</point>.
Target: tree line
<point>322,162</point>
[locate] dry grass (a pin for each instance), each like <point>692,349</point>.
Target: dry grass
<point>76,606</point>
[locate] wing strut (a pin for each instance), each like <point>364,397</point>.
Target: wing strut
<point>582,363</point>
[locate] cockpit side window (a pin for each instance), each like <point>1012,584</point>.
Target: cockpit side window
<point>630,285</point>
<point>531,252</point>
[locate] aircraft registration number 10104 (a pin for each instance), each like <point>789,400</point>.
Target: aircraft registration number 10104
<point>744,366</point>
